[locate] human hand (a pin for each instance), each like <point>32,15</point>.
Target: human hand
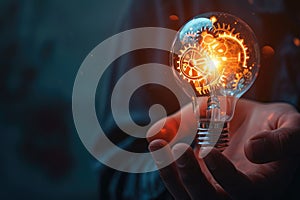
<point>260,133</point>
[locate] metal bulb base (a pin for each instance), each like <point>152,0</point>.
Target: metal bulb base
<point>213,134</point>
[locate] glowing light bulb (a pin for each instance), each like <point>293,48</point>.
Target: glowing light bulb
<point>218,55</point>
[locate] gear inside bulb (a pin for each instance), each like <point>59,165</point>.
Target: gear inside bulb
<point>218,55</point>
<point>213,57</point>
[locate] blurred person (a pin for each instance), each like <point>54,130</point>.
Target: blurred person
<point>114,184</point>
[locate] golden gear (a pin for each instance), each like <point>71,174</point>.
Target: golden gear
<point>195,65</point>
<point>223,28</point>
<point>227,50</point>
<point>214,55</point>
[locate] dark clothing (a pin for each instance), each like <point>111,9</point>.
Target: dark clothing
<point>158,13</point>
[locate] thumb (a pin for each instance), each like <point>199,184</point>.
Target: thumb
<point>273,145</point>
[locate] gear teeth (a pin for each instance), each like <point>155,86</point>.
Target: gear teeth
<point>202,43</point>
<point>235,37</point>
<point>223,28</point>
<point>195,78</point>
<point>191,37</point>
<point>237,80</point>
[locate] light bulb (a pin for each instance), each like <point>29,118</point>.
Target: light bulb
<point>218,55</point>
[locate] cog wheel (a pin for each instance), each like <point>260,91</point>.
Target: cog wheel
<point>233,57</point>
<point>191,37</point>
<point>190,58</point>
<point>223,28</point>
<point>235,52</point>
<point>208,37</point>
<point>195,65</point>
<point>214,57</point>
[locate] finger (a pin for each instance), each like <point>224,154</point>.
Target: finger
<point>273,145</point>
<point>169,174</point>
<point>190,173</point>
<point>167,132</point>
<point>168,128</point>
<point>235,183</point>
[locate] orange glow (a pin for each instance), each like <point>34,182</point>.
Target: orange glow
<point>163,131</point>
<point>173,17</point>
<point>213,19</point>
<point>205,64</point>
<point>267,51</point>
<point>168,132</point>
<point>297,42</point>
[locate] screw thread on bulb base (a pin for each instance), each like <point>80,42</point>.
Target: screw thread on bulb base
<point>213,134</point>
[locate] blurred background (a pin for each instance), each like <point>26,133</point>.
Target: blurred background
<point>43,43</point>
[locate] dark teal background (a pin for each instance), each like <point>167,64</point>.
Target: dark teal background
<point>42,46</point>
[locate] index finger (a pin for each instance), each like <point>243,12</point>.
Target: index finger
<point>184,118</point>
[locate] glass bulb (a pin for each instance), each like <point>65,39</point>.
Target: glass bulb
<point>218,55</point>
